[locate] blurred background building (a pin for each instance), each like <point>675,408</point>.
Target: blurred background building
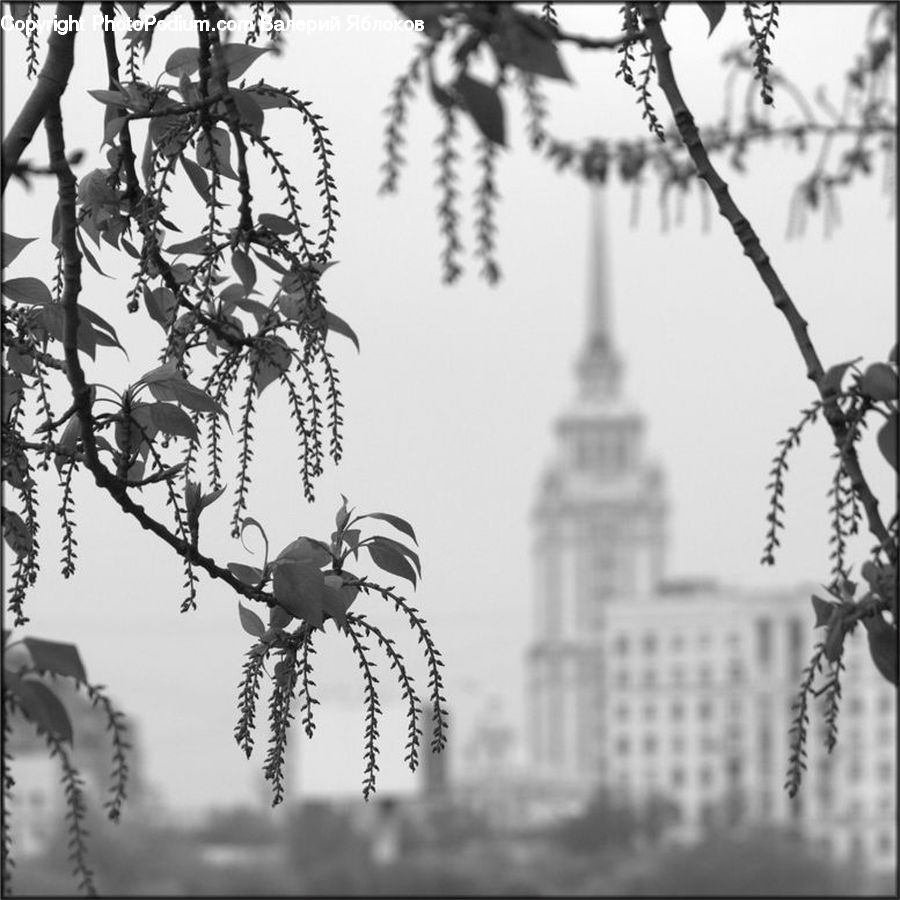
<point>645,687</point>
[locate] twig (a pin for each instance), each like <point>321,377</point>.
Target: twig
<point>750,242</point>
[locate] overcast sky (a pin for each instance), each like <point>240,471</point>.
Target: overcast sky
<point>450,405</point>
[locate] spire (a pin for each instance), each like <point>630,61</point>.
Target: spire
<point>598,366</point>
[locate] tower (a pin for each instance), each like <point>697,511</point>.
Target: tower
<point>598,539</point>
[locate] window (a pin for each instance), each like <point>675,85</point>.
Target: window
<point>678,643</point>
<point>706,776</point>
<point>796,633</point>
<point>622,712</point>
<point>650,711</point>
<point>650,743</point>
<point>649,677</point>
<point>705,710</point>
<point>678,744</point>
<point>885,770</point>
<point>677,711</point>
<point>602,575</point>
<point>735,671</point>
<point>622,644</point>
<point>623,745</point>
<point>886,704</point>
<point>855,706</point>
<point>650,643</point>
<point>705,675</point>
<point>622,678</point>
<point>763,640</point>
<point>886,843</point>
<point>705,640</point>
<point>678,675</point>
<point>678,776</point>
<point>708,743</point>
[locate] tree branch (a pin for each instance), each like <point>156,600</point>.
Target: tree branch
<point>81,391</point>
<point>753,249</point>
<point>52,81</point>
<point>591,43</point>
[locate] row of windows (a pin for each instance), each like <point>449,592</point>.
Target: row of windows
<point>677,710</point>
<point>678,675</point>
<point>678,776</point>
<point>650,744</point>
<point>649,643</point>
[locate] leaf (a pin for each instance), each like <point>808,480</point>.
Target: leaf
<point>411,555</point>
<point>112,129</point>
<point>250,522</point>
<point>244,269</point>
<point>279,618</point>
<point>160,304</point>
<point>237,58</point>
<point>184,61</point>
<point>713,13</point>
<point>831,380</point>
<point>92,260</point>
<point>249,575</point>
<point>272,358</point>
<point>837,631</point>
<point>336,324</point>
<point>484,105</point>
<point>198,245</point>
<point>299,588</point>
<point>880,382</point>
<point>216,156</point>
<point>53,317</point>
<point>110,98</point>
<point>53,656</point>
<point>106,335</point>
<point>171,420</point>
<point>277,224</point>
<point>527,43</point>
<point>209,499</point>
<point>13,391</point>
<point>270,97</point>
<point>16,533</point>
<point>250,114</point>
<point>342,517</point>
<point>823,609</point>
<point>178,389</point>
<point>887,440</point>
<point>41,706</point>
<point>385,557</point>
<point>20,363</point>
<point>883,646</point>
<point>307,550</point>
<point>334,601</point>
<point>250,621</point>
<point>12,246</point>
<point>197,176</point>
<point>27,290</point>
<point>396,521</point>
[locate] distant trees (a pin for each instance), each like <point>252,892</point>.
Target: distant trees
<point>609,823</point>
<point>761,864</point>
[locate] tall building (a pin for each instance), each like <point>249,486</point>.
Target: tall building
<point>650,687</point>
<point>598,539</point>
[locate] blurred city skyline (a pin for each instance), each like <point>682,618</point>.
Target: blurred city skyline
<point>450,405</point>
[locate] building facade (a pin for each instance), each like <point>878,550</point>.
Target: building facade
<point>649,687</point>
